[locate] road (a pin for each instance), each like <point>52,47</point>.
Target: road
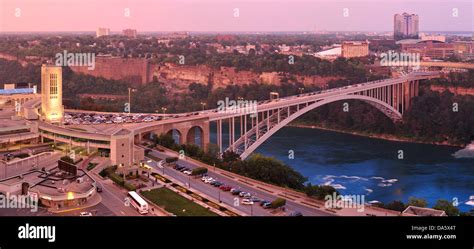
<point>227,197</point>
<point>113,197</point>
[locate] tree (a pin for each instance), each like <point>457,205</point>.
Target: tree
<point>447,207</point>
<point>278,202</point>
<point>417,202</point>
<point>395,205</point>
<point>199,171</point>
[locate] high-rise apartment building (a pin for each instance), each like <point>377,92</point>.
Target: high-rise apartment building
<point>405,26</point>
<point>52,109</point>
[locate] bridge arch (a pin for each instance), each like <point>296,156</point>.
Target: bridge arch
<point>194,133</point>
<point>177,135</point>
<point>385,108</point>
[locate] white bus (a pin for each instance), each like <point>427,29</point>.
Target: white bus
<point>138,202</point>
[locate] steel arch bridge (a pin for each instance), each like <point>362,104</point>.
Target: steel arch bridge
<point>391,96</point>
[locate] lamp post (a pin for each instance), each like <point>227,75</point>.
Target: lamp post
<point>130,90</point>
<point>301,90</point>
<point>203,104</point>
<point>164,109</point>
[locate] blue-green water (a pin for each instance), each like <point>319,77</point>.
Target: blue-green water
<point>360,165</point>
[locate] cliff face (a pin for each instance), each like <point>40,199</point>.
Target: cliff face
<point>454,90</point>
<point>134,70</point>
<point>226,76</point>
<point>140,71</point>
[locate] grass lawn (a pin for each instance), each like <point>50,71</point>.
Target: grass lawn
<point>174,203</point>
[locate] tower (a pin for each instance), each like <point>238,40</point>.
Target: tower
<point>52,109</point>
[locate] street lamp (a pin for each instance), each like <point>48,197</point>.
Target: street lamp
<point>203,105</point>
<point>301,90</point>
<point>164,109</point>
<point>130,90</point>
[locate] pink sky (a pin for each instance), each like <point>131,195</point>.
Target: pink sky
<point>218,15</point>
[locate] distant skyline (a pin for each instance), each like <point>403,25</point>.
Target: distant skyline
<point>218,15</point>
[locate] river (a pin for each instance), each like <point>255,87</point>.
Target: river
<point>360,165</point>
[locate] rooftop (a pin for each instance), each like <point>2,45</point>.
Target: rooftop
<point>16,91</point>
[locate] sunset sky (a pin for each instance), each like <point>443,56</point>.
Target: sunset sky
<point>218,15</point>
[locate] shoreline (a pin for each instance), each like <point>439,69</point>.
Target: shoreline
<point>376,136</point>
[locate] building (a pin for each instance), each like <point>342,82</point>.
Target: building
<point>425,37</point>
<point>102,32</point>
<point>464,50</point>
<point>427,49</point>
<point>52,108</point>
<point>405,26</point>
<point>350,49</point>
<point>419,211</point>
<point>54,188</point>
<point>130,33</point>
<point>330,53</point>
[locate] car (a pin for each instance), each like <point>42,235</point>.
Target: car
<point>255,199</point>
<point>204,178</point>
<point>99,189</point>
<point>247,201</point>
<point>225,188</point>
<point>184,169</point>
<point>85,214</point>
<point>188,172</point>
<point>262,202</point>
<point>245,194</point>
<point>235,191</point>
<point>267,205</point>
<point>295,214</point>
<point>209,180</point>
<point>217,184</point>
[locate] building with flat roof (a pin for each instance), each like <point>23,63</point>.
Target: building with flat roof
<point>419,211</point>
<point>54,188</point>
<point>350,49</point>
<point>431,49</point>
<point>464,50</point>
<point>102,32</point>
<point>130,33</point>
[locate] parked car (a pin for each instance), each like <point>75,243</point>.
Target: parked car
<point>255,199</point>
<point>245,194</point>
<point>295,213</point>
<point>225,188</point>
<point>267,205</point>
<point>216,184</point>
<point>187,172</point>
<point>85,214</point>
<point>247,201</point>
<point>263,202</point>
<point>211,181</point>
<point>235,191</point>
